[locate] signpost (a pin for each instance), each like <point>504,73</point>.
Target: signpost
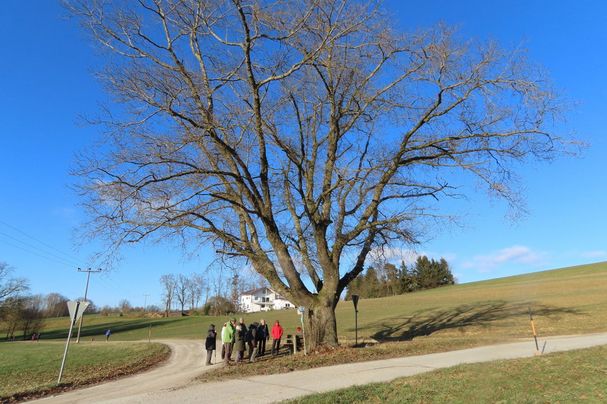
<point>301,310</point>
<point>355,301</point>
<point>76,308</point>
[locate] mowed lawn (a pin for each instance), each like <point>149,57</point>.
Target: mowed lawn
<point>33,367</point>
<point>566,377</point>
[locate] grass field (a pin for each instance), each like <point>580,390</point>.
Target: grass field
<point>33,367</point>
<point>565,301</point>
<point>567,377</point>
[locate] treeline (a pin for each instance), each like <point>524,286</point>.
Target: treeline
<point>390,280</point>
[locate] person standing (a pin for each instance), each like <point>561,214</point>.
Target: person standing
<point>252,341</point>
<point>227,338</point>
<point>276,336</point>
<point>239,344</point>
<point>263,334</point>
<point>223,345</point>
<point>108,333</point>
<point>210,343</point>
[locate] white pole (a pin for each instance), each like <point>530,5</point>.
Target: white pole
<point>67,343</point>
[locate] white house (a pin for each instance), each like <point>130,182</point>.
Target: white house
<point>262,299</point>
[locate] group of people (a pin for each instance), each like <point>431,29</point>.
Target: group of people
<point>236,336</point>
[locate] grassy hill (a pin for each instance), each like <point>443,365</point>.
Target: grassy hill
<point>564,301</point>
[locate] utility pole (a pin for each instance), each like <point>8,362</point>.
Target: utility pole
<point>145,302</point>
<point>86,289</point>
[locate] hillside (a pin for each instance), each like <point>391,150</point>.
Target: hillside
<point>564,301</point>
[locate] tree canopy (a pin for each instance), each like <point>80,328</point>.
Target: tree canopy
<point>299,135</point>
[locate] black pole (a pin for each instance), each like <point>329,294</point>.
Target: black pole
<point>355,301</point>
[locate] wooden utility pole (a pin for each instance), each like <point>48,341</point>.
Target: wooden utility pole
<point>86,289</point>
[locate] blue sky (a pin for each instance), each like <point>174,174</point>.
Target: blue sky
<point>47,67</point>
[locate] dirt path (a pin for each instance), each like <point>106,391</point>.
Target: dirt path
<point>171,383</point>
<point>185,363</point>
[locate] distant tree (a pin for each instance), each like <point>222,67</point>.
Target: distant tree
<point>429,273</point>
<point>10,287</point>
<point>169,283</point>
<point>196,287</point>
<point>219,306</point>
<point>55,305</point>
<point>182,289</point>
<point>22,313</point>
<point>125,306</point>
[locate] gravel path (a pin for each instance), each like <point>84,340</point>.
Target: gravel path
<point>172,382</point>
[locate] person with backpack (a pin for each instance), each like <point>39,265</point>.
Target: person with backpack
<point>276,336</point>
<point>210,343</point>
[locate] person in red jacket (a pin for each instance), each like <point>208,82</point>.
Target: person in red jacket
<point>276,335</point>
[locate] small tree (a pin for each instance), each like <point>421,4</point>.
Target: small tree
<point>169,283</point>
<point>182,289</point>
<point>10,287</point>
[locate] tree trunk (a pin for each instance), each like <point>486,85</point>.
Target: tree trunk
<point>320,326</point>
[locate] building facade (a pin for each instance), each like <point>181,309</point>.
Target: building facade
<point>262,299</point>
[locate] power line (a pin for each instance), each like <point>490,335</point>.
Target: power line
<point>42,255</point>
<point>39,250</point>
<point>65,256</point>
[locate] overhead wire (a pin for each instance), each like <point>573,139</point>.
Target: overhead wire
<point>55,251</point>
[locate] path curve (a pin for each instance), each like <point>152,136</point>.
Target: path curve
<point>184,364</point>
<point>171,383</point>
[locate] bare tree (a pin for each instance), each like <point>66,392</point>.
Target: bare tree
<point>10,287</point>
<point>195,289</point>
<point>182,289</point>
<point>299,135</point>
<point>169,283</point>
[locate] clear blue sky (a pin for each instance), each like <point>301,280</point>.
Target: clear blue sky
<point>47,82</point>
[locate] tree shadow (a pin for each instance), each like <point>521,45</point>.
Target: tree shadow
<point>427,322</point>
<point>115,327</point>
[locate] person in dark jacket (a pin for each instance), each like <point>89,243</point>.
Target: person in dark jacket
<point>252,341</point>
<point>239,343</point>
<point>263,334</point>
<point>210,343</point>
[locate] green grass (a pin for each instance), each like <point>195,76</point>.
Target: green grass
<point>565,377</point>
<point>32,368</point>
<point>565,301</point>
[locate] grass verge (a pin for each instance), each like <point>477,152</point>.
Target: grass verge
<point>564,377</point>
<point>30,369</point>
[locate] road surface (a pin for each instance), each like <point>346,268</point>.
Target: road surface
<point>173,381</point>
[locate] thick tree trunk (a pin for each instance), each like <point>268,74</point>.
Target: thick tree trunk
<point>320,326</point>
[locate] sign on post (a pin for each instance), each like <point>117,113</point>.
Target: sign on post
<point>76,308</point>
<point>355,301</point>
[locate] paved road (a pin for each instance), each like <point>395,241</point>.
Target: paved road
<point>172,383</point>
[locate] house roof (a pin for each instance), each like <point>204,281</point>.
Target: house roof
<point>254,291</point>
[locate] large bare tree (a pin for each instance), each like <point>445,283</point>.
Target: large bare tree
<point>299,135</point>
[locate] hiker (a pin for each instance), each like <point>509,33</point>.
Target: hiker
<point>276,335</point>
<point>263,334</point>
<point>210,343</point>
<point>227,338</point>
<point>108,332</point>
<point>223,345</point>
<point>239,343</point>
<point>252,341</point>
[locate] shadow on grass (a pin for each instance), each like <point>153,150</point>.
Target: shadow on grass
<point>427,322</point>
<point>116,327</point>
